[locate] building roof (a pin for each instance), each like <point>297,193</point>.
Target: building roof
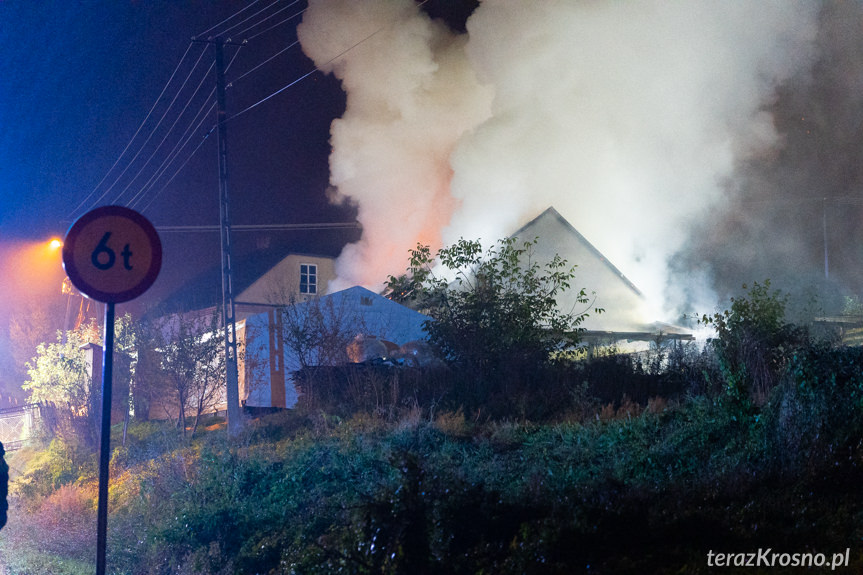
<point>623,304</point>
<point>378,316</point>
<point>550,212</point>
<point>205,290</point>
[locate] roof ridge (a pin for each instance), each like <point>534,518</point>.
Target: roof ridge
<point>552,212</point>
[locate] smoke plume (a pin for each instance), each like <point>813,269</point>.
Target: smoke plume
<point>629,118</point>
<point>794,212</point>
<point>412,95</point>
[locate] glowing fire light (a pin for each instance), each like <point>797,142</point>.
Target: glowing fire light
<point>56,244</point>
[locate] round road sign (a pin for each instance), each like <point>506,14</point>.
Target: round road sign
<point>112,254</point>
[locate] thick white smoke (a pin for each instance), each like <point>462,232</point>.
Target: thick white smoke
<point>411,96</point>
<point>627,117</point>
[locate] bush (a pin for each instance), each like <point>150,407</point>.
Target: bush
<point>754,342</point>
<point>62,463</point>
<point>816,411</point>
<point>495,313</point>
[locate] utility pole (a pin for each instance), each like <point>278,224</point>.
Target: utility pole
<point>232,393</point>
<point>824,230</point>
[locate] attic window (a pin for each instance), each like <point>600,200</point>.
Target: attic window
<point>308,279</point>
<point>365,300</point>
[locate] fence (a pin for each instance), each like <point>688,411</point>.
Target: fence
<point>17,425</point>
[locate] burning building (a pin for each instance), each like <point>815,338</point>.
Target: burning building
<point>626,313</point>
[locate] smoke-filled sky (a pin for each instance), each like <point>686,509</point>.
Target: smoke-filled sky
<point>657,129</point>
<point>699,145</point>
<point>786,202</point>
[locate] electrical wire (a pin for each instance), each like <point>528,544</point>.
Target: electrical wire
<point>156,127</point>
<point>301,78</point>
<point>774,201</point>
<point>172,156</point>
<point>165,136</point>
<point>132,139</point>
<point>274,56</point>
<point>263,227</point>
<point>184,139</point>
<point>273,15</point>
<point>193,127</point>
<point>265,30</point>
<point>227,19</point>
<point>183,165</point>
<point>316,69</point>
<point>243,21</point>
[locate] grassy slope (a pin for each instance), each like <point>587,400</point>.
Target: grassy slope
<point>652,493</point>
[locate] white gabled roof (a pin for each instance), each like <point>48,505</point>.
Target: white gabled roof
<point>614,292</point>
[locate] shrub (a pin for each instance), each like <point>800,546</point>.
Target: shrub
<point>754,342</point>
<point>56,537</point>
<point>63,462</point>
<point>495,313</point>
<point>816,411</point>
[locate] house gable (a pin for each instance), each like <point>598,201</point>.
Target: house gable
<point>296,278</point>
<point>620,299</point>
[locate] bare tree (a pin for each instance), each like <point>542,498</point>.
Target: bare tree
<point>319,331</point>
<point>191,362</point>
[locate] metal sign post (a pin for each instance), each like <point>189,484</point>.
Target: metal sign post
<point>105,440</point>
<point>111,254</point>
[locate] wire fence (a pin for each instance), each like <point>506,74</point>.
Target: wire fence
<point>17,425</point>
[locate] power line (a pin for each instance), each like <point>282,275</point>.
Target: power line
<point>243,21</point>
<point>276,25</point>
<point>141,195</point>
<point>183,165</point>
<point>146,119</point>
<point>117,161</point>
<point>242,32</point>
<point>263,227</point>
<point>773,201</point>
<point>175,151</point>
<point>184,138</point>
<point>165,137</point>
<point>301,78</point>
<point>274,56</point>
<point>316,69</point>
<point>156,127</point>
<point>235,14</point>
<point>189,131</point>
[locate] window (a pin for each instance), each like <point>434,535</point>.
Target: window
<point>308,279</point>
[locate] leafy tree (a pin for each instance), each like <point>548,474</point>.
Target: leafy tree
<point>494,312</point>
<point>59,375</point>
<point>32,323</point>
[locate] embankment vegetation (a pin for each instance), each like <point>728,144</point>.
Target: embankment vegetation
<point>568,473</point>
